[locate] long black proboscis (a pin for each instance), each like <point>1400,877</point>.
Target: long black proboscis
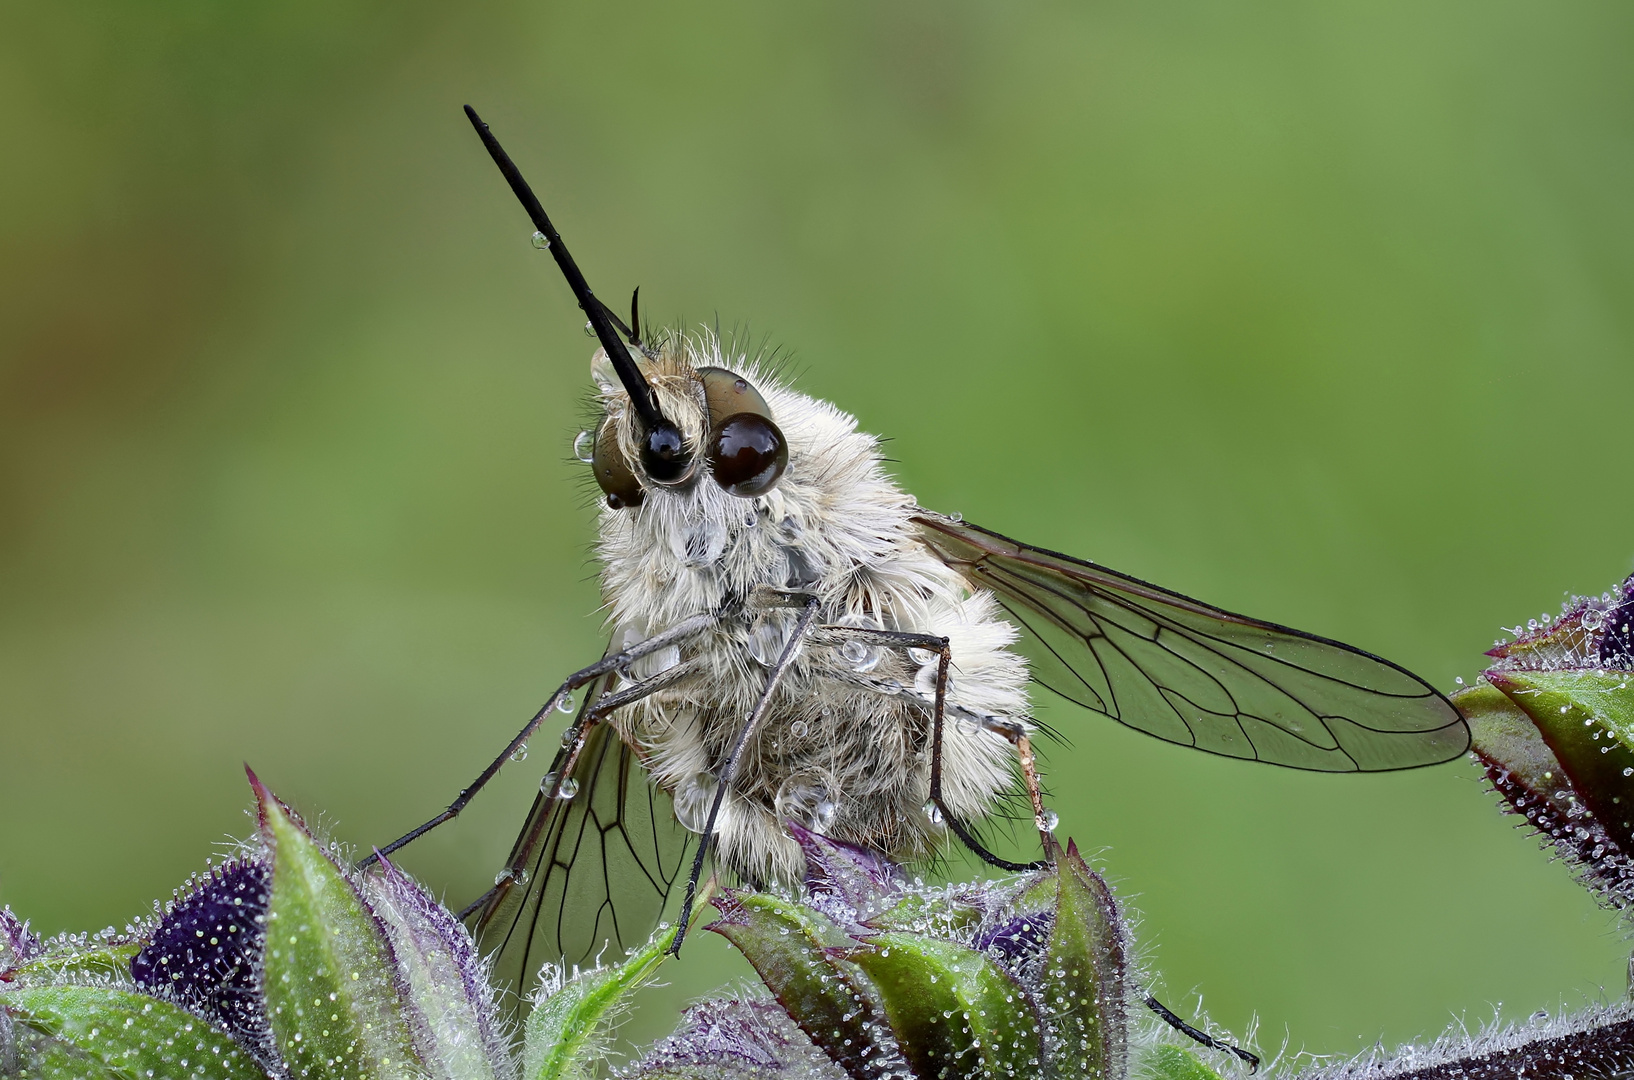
<point>641,395</point>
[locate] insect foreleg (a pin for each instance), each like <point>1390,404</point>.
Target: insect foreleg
<point>561,768</point>
<point>611,662</point>
<point>785,660</point>
<point>573,738</point>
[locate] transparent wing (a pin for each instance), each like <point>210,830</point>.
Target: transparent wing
<point>587,873</point>
<point>1192,674</point>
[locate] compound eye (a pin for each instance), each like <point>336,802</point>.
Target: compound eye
<point>613,474</point>
<point>747,455</point>
<point>664,455</point>
<point>727,393</point>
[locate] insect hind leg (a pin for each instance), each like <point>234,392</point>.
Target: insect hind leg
<point>1014,732</point>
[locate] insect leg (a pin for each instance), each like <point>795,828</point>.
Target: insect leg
<point>612,662</point>
<point>1018,737</point>
<point>1015,733</point>
<point>561,768</point>
<point>1168,1016</point>
<point>802,627</point>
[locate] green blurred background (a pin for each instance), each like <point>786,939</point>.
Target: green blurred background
<point>1315,311</point>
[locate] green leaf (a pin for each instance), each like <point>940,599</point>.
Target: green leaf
<point>567,1030</point>
<point>102,1031</point>
<point>792,949</point>
<point>331,1000</point>
<point>1587,720</point>
<point>1173,1063</point>
<point>1081,984</point>
<point>955,1013</point>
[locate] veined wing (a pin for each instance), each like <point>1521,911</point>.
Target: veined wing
<point>1193,674</point>
<point>586,873</point>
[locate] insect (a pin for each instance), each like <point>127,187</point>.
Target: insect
<point>795,638</point>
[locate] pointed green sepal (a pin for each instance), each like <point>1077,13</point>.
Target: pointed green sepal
<point>956,1014</point>
<point>566,1032</point>
<point>793,949</point>
<point>452,1012</point>
<point>331,1000</point>
<point>1587,719</point>
<point>1081,983</point>
<point>80,1032</point>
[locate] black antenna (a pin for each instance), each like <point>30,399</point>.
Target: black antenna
<point>642,398</point>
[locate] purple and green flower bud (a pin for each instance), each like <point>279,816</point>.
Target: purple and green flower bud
<point>1553,724</point>
<point>871,977</point>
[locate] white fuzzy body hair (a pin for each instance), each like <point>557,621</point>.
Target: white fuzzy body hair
<point>846,744</point>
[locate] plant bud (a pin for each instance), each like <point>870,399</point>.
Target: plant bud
<point>1553,723</point>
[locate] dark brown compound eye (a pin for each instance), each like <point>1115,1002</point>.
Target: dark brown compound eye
<point>747,455</point>
<point>613,474</point>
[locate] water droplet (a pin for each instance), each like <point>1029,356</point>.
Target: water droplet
<point>566,704</point>
<point>889,686</point>
<point>658,661</point>
<point>1050,820</point>
<point>540,241</point>
<point>602,371</point>
<point>569,788</point>
<point>768,636</point>
<point>547,782</point>
<point>798,729</point>
<point>863,655</point>
<point>693,799</point>
<point>584,446</point>
<point>955,516</point>
<point>924,681</point>
<point>569,737</point>
<point>932,811</point>
<point>1593,618</point>
<point>809,799</point>
<point>520,753</point>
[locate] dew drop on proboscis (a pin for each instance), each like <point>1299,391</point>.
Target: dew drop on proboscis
<point>584,446</point>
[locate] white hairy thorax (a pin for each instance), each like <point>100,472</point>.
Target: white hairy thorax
<point>845,748</point>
